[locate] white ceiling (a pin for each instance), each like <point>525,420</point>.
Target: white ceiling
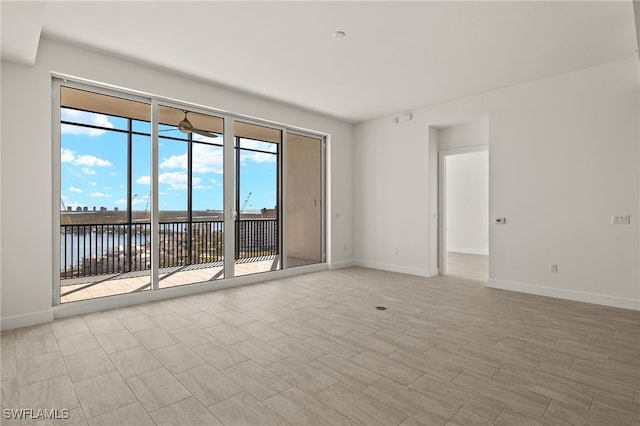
<point>396,55</point>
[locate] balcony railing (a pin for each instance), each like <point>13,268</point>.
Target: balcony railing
<point>100,249</point>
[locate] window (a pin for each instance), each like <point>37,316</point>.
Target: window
<point>104,216</point>
<point>156,194</point>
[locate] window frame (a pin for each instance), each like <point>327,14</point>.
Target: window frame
<point>59,81</point>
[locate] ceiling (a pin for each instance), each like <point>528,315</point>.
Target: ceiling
<point>396,56</point>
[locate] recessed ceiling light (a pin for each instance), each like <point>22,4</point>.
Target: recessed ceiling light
<point>339,34</point>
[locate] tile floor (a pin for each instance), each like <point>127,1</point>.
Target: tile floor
<point>85,288</point>
<point>469,266</point>
<point>314,350</point>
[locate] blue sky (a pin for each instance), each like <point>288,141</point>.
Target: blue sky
<point>94,169</point>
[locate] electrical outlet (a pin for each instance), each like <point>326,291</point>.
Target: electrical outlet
<point>554,267</point>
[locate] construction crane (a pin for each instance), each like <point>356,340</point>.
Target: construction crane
<point>246,201</point>
<point>146,208</point>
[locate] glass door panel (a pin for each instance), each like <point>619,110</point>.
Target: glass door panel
<point>257,191</point>
<point>303,200</point>
<point>190,197</point>
<point>104,232</point>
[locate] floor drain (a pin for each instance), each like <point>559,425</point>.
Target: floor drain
<point>381,308</point>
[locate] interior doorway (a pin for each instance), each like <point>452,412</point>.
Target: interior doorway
<point>464,212</point>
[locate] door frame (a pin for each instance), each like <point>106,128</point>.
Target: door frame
<point>442,199</point>
<point>119,300</point>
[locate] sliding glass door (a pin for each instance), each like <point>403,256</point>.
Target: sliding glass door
<point>190,182</point>
<point>104,166</point>
<point>257,151</point>
<point>156,194</point>
<point>303,200</point>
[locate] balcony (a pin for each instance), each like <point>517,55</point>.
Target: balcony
<point>102,259</point>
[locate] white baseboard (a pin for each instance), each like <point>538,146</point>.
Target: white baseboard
<point>26,320</point>
<point>433,272</point>
<point>396,268</point>
<point>468,250</point>
<point>578,296</point>
<point>341,265</point>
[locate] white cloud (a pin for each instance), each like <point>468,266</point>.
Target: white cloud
<point>202,187</point>
<point>100,195</point>
<point>91,161</point>
<point>67,155</point>
<point>174,162</point>
<point>177,180</point>
<point>121,202</point>
<point>206,159</point>
<point>74,189</point>
<point>144,180</point>
<point>92,183</point>
<point>257,157</point>
<point>84,118</point>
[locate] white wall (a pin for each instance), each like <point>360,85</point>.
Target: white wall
<point>471,133</point>
<point>26,172</point>
<point>563,158</point>
<point>467,205</point>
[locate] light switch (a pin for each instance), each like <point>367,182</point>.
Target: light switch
<point>620,219</point>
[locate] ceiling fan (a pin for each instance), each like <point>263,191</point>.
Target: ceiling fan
<point>185,126</point>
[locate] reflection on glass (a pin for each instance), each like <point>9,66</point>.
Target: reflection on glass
<point>304,200</point>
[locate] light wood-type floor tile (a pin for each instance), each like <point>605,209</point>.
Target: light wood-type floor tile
<point>243,410</point>
<point>255,379</point>
<point>133,414</point>
<point>157,388</point>
<point>219,354</point>
<point>177,358</point>
<point>359,407</point>
<point>186,412</point>
<point>134,361</point>
<point>208,384</point>
<point>102,394</point>
<point>313,349</point>
<point>299,408</point>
